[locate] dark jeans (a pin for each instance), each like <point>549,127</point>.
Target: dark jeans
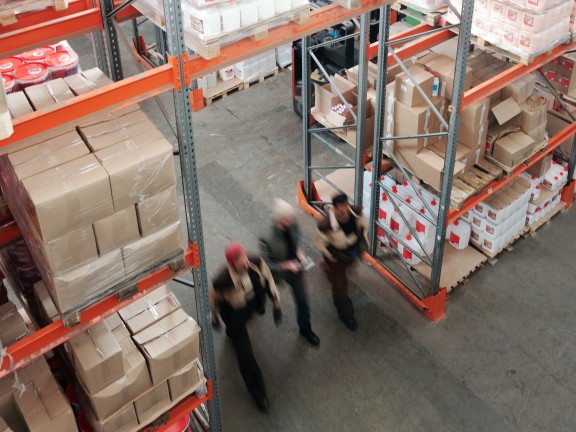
<point>235,321</point>
<point>296,282</point>
<point>336,273</point>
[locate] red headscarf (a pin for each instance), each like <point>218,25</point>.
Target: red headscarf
<point>232,251</point>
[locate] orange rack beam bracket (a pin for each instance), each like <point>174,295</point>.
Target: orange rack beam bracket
<point>434,307</point>
<point>568,194</point>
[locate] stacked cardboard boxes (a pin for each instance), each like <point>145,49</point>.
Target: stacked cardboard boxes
<point>96,206</point>
<point>560,72</point>
<point>496,221</point>
<point>517,124</point>
<point>547,179</point>
<point>135,365</point>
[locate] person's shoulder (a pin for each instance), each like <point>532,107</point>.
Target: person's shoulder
<point>357,210</point>
<point>324,224</point>
<point>255,259</point>
<point>222,279</point>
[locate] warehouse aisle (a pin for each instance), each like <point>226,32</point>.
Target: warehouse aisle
<point>502,360</point>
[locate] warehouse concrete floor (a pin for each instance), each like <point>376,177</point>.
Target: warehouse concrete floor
<point>502,360</point>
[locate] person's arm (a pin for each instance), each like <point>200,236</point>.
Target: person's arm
<point>271,290</point>
<point>214,299</point>
<point>267,257</point>
<point>300,245</point>
<point>322,240</point>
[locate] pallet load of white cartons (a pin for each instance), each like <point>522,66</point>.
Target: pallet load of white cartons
<point>30,398</point>
<point>526,29</point>
<point>96,206</point>
<point>427,5</point>
<point>499,219</point>
<point>137,364</point>
<point>546,191</point>
<point>257,67</point>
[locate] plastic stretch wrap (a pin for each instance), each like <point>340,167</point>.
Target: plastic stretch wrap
<point>256,67</point>
<point>9,8</point>
<point>529,28</point>
<point>284,55</point>
<point>92,220</point>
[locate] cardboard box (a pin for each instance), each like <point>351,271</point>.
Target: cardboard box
<point>106,124</point>
<point>18,104</point>
<point>44,407</point>
<point>444,66</point>
<point>138,172</point>
<point>123,420</point>
<point>40,150</point>
<point>405,90</point>
<point>4,426</point>
<point>78,84</point>
<point>157,211</point>
<point>185,381</point>
<point>521,89</point>
<point>506,110</point>
<point>12,325</point>
<point>352,74</point>
<point>74,194</point>
<point>117,230</point>
<point>88,282</point>
<point>26,374</point>
<point>473,136</point>
<point>427,166</point>
<point>534,113</point>
<point>97,358</point>
<point>169,344</point>
<point>97,77</point>
<point>326,97</point>
<point>139,134</point>
<point>415,120</point>
<point>537,134</point>
<point>135,382</point>
<point>476,114</point>
<point>150,251</point>
<point>541,167</point>
<point>48,94</point>
<point>513,149</point>
<point>73,249</point>
<point>464,154</point>
<point>114,321</point>
<point>146,311</point>
<point>152,403</point>
<point>45,304</point>
<point>369,128</point>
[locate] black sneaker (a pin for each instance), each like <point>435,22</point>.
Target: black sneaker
<point>312,338</point>
<point>262,403</point>
<point>350,323</point>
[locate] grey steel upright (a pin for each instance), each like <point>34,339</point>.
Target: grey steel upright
<point>182,97</point>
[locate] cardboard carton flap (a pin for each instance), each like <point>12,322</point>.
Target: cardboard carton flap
<point>506,110</point>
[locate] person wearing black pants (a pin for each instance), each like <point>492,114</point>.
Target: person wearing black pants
<point>237,291</point>
<point>281,249</point>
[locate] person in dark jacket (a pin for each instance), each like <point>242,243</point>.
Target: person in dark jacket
<point>342,237</point>
<point>237,290</point>
<point>282,250</point>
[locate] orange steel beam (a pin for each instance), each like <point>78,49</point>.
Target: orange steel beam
<point>433,307</point>
<point>182,409</point>
<point>116,95</point>
<point>49,337</point>
<point>67,27</point>
<point>320,19</point>
<point>509,76</point>
<point>128,14</point>
<point>29,19</point>
<point>373,48</point>
<point>493,187</point>
<point>419,45</point>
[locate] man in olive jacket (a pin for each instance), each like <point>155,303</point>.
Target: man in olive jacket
<point>281,250</point>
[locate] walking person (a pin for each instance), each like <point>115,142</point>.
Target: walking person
<point>282,250</point>
<point>342,237</point>
<point>237,290</point>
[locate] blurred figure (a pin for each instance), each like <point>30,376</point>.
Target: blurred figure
<point>237,290</point>
<point>282,250</point>
<point>342,237</point>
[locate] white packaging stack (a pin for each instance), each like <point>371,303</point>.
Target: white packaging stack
<point>527,29</point>
<point>546,192</point>
<point>284,55</point>
<point>497,220</point>
<point>256,67</point>
<point>75,198</point>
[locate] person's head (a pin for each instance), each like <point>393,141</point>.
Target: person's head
<point>236,257</point>
<point>283,214</point>
<point>341,207</point>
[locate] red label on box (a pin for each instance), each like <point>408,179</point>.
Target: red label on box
<point>381,214</point>
<point>394,225</point>
<point>565,82</point>
<point>407,253</point>
<point>490,229</point>
<point>569,64</point>
<point>476,221</point>
<point>454,239</point>
<point>550,74</point>
<point>420,227</point>
<point>492,214</point>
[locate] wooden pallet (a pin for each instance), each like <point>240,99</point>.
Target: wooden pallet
<point>532,228</point>
<point>273,73</point>
<point>472,182</point>
<point>507,247</point>
<point>210,49</point>
<point>509,170</point>
<point>525,59</point>
<point>429,17</point>
<point>222,89</point>
<point>9,12</point>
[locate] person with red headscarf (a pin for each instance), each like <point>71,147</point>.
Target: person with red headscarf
<point>237,291</point>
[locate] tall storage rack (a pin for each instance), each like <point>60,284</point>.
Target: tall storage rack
<point>427,295</point>
<point>86,17</point>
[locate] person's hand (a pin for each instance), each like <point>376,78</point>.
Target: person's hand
<point>292,266</point>
<point>277,315</point>
<point>300,254</point>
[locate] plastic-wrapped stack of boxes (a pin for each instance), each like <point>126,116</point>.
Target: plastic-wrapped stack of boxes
<point>546,191</point>
<point>528,28</point>
<point>32,400</point>
<point>428,5</point>
<point>560,72</point>
<point>254,68</point>
<point>496,221</point>
<point>96,206</point>
<point>137,364</point>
